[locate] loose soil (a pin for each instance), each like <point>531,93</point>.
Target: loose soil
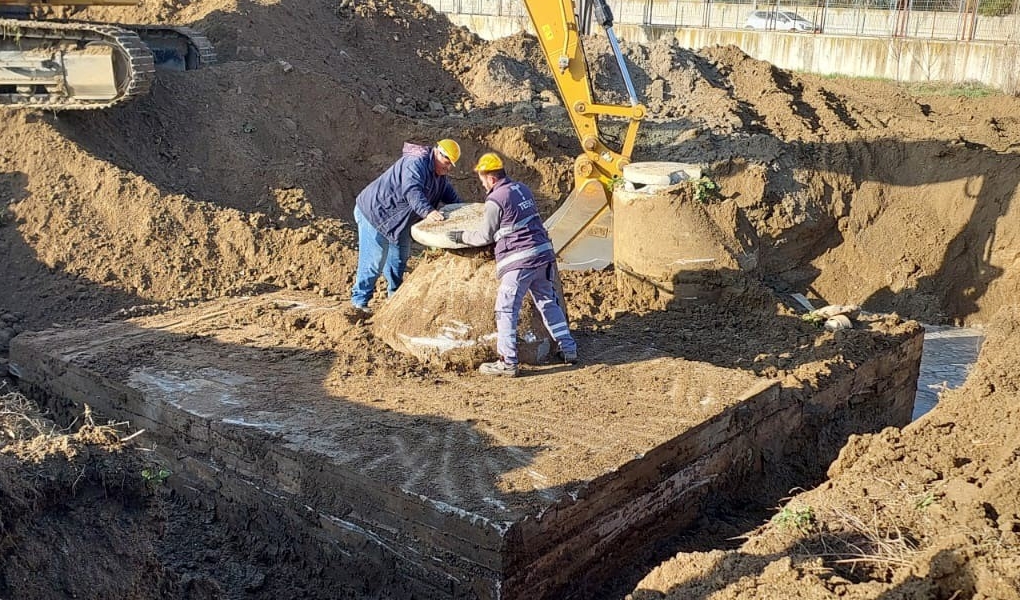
<point>241,178</point>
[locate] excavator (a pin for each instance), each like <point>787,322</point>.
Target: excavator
<point>53,64</point>
<point>582,228</point>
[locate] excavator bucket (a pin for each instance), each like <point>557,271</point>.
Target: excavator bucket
<point>582,229</point>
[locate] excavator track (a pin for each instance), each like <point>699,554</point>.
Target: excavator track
<point>71,66</point>
<point>176,48</point>
<point>61,65</point>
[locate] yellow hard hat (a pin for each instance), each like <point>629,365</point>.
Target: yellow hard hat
<point>489,161</point>
<point>450,149</point>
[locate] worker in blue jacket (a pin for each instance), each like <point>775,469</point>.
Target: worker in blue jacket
<point>410,190</point>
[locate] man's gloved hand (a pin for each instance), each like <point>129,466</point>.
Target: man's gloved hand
<point>457,237</point>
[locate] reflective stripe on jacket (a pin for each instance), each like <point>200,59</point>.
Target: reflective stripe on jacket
<point>521,240</point>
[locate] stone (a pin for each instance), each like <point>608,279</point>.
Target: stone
<point>462,217</point>
<point>554,111</point>
<point>524,108</point>
<point>660,173</point>
<point>550,97</point>
<point>6,335</point>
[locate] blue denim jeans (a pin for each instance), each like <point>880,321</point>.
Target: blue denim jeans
<point>378,255</point>
<point>513,286</point>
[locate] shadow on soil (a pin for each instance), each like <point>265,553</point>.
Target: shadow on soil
<point>79,519</point>
<point>12,189</point>
<point>32,291</point>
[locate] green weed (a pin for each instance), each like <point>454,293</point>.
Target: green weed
<point>800,518</point>
<point>852,77</point>
<point>923,501</point>
<point>705,189</point>
<point>952,90</point>
<point>155,476</point>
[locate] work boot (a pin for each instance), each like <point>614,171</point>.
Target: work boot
<point>498,368</point>
<point>567,358</point>
<point>357,314</point>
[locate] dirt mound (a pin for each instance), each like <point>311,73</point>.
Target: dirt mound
<point>509,70</point>
<point>383,50</point>
<point>825,171</point>
<point>101,226</point>
<point>930,511</point>
<point>443,314</point>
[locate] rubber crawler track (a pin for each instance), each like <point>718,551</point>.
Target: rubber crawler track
<point>125,39</point>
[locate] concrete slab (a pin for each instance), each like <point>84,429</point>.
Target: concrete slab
<point>442,486</point>
<point>466,216</point>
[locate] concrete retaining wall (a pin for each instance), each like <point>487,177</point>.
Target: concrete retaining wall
<point>871,20</point>
<point>908,60</point>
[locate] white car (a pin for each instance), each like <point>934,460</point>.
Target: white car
<point>778,20</point>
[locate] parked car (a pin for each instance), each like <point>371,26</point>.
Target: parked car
<point>779,20</point>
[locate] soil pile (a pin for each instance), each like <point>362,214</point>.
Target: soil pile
<point>929,511</point>
<point>242,177</point>
<point>825,171</point>
<point>443,314</point>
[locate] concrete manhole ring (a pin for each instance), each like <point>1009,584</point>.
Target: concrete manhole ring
<point>660,173</point>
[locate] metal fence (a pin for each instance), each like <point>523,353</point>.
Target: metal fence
<point>967,20</point>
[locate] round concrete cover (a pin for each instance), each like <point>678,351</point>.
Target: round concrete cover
<point>464,217</point>
<point>659,173</point>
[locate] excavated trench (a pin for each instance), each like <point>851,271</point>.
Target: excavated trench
<point>445,486</point>
<point>285,418</point>
<point>357,471</point>
<point>427,481</point>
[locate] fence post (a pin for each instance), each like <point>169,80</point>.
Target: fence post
<point>970,20</point>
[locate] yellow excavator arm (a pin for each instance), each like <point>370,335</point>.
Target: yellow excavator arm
<point>581,229</point>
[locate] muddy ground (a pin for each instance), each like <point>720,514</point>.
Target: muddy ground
<point>241,178</point>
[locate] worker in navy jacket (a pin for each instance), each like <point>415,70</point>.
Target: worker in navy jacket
<point>525,263</point>
<point>412,189</point>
